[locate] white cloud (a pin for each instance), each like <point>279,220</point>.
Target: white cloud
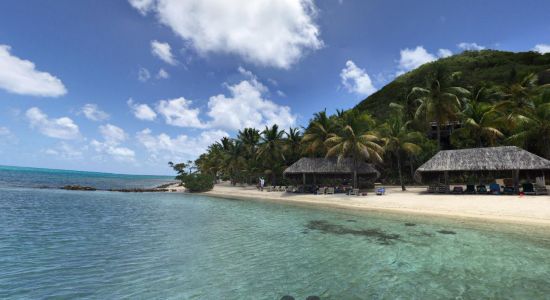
<point>4,131</point>
<point>65,151</point>
<point>162,74</point>
<point>143,74</point>
<point>142,111</point>
<point>265,32</point>
<point>542,48</point>
<point>112,134</point>
<point>92,112</point>
<point>178,112</point>
<point>470,46</point>
<point>246,107</point>
<point>61,128</point>
<point>20,76</point>
<point>143,6</point>
<point>6,136</point>
<point>413,58</point>
<point>444,53</point>
<point>356,80</point>
<point>179,148</point>
<point>163,51</point>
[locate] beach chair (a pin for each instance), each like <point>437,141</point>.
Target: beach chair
<point>353,192</point>
<point>458,190</point>
<point>540,186</point>
<point>380,191</point>
<point>443,189</point>
<point>329,191</point>
<point>494,188</point>
<point>321,191</point>
<point>432,188</point>
<point>528,189</point>
<point>481,189</point>
<point>470,189</point>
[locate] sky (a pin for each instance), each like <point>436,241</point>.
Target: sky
<point>126,86</point>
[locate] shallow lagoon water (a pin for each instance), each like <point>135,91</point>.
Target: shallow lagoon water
<point>105,245</point>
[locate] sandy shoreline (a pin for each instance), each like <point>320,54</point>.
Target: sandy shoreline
<point>528,210</point>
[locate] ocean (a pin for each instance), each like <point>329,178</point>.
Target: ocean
<point>108,245</point>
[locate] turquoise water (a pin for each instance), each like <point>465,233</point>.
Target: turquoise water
<point>51,178</point>
<point>104,245</point>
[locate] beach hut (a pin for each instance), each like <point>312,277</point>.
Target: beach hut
<point>322,168</point>
<point>499,162</point>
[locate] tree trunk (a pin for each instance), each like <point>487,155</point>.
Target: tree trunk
<point>354,173</point>
<point>412,167</point>
<point>399,171</point>
<point>438,127</point>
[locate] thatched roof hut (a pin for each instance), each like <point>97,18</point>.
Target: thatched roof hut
<point>506,159</point>
<point>331,167</point>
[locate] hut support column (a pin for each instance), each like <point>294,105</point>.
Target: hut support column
<point>304,178</point>
<point>516,181</point>
<point>314,179</point>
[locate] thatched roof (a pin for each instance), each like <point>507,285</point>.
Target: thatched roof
<point>484,159</point>
<point>329,166</point>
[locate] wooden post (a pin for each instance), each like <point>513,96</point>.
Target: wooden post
<point>314,179</point>
<point>516,181</point>
<point>446,174</point>
<point>304,178</point>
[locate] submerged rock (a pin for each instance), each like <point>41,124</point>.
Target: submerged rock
<point>325,227</point>
<point>78,188</point>
<point>287,297</point>
<point>446,232</point>
<point>410,224</point>
<point>313,298</point>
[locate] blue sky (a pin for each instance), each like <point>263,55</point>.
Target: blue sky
<point>126,86</point>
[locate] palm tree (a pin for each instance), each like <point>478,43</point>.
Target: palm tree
<point>516,100</point>
<point>271,150</point>
<point>533,130</point>
<point>316,134</point>
<point>438,102</point>
<point>479,123</point>
<point>397,138</point>
<point>293,145</point>
<point>356,143</point>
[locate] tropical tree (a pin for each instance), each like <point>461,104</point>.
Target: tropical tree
<point>292,145</point>
<point>438,102</point>
<point>479,123</point>
<point>271,150</point>
<point>356,142</point>
<point>316,134</point>
<point>516,100</point>
<point>397,138</point>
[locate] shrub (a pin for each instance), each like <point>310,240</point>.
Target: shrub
<point>196,183</point>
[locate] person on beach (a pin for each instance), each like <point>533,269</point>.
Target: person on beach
<point>262,181</point>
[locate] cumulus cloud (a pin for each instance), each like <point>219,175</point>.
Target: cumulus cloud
<point>6,136</point>
<point>413,58</point>
<point>179,148</point>
<point>265,32</point>
<point>470,46</point>
<point>20,76</point>
<point>65,151</point>
<point>444,53</point>
<point>162,74</point>
<point>113,136</point>
<point>143,74</point>
<point>356,80</point>
<point>92,112</point>
<point>163,51</point>
<point>178,112</point>
<point>542,48</point>
<point>61,128</point>
<point>142,111</point>
<point>246,107</point>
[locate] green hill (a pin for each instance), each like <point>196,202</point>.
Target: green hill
<point>487,67</point>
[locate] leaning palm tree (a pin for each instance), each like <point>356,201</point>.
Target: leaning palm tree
<point>356,143</point>
<point>533,130</point>
<point>271,150</point>
<point>316,134</point>
<point>516,100</point>
<point>479,123</point>
<point>438,102</point>
<point>397,138</point>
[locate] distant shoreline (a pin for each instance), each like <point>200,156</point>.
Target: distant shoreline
<point>527,210</point>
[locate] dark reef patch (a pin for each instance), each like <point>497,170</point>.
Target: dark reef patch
<point>326,227</point>
<point>410,224</point>
<point>446,232</point>
<point>351,221</point>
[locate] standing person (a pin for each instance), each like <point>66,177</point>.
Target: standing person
<point>262,181</point>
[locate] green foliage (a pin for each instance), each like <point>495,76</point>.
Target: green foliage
<point>196,182</point>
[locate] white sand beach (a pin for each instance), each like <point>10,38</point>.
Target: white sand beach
<point>533,210</point>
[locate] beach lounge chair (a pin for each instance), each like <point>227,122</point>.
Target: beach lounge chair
<point>354,192</point>
<point>481,189</point>
<point>329,191</point>
<point>458,190</point>
<point>380,191</point>
<point>494,188</point>
<point>528,189</point>
<point>321,191</point>
<point>470,189</point>
<point>432,188</point>
<point>443,189</point>
<point>540,186</point>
